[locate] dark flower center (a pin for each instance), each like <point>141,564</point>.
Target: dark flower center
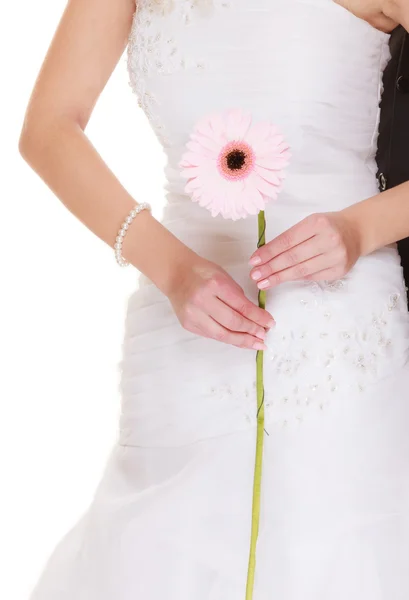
<point>235,160</point>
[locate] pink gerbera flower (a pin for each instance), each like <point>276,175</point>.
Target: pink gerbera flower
<point>233,166</point>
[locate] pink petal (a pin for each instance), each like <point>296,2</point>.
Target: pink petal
<point>203,126</point>
<point>225,203</point>
<point>244,126</point>
<point>257,201</point>
<point>276,164</point>
<point>214,187</point>
<point>268,162</point>
<point>260,184</point>
<point>257,133</point>
<point>234,199</point>
<point>286,154</point>
<point>268,175</point>
<point>190,172</point>
<point>276,140</point>
<point>215,211</point>
<point>270,153</point>
<point>218,126</point>
<point>192,185</point>
<point>249,206</point>
<point>191,159</point>
<point>198,148</point>
<point>202,170</point>
<point>237,123</point>
<point>206,142</point>
<point>267,147</point>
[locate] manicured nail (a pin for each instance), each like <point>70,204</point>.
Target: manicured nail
<point>259,346</point>
<point>264,283</point>
<point>261,334</point>
<point>256,275</point>
<point>256,260</point>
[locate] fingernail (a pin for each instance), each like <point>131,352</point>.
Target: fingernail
<point>271,323</point>
<point>263,284</point>
<point>256,275</point>
<point>259,346</point>
<point>261,334</point>
<point>256,260</point>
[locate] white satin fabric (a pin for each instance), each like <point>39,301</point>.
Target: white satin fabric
<point>171,517</point>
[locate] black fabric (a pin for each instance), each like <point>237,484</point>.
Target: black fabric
<point>393,142</point>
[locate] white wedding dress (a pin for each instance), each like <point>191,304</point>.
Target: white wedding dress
<point>171,518</point>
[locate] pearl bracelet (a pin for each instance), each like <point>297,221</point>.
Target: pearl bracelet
<point>124,228</point>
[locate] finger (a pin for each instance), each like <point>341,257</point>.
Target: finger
<point>207,327</point>
<point>297,234</point>
<point>300,271</point>
<point>237,300</point>
<point>298,254</point>
<point>234,321</point>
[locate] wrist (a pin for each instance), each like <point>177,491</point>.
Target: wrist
<point>178,261</point>
<point>156,252</point>
<point>360,225</point>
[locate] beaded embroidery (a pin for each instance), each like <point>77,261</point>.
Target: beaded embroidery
<point>153,52</point>
<point>311,367</point>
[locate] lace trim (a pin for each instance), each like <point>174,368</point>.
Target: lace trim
<point>151,51</point>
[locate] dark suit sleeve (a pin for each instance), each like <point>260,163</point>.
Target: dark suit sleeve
<point>393,141</point>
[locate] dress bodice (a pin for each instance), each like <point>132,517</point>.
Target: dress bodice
<point>315,70</point>
<point>309,66</point>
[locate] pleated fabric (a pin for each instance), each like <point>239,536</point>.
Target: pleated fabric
<point>171,517</point>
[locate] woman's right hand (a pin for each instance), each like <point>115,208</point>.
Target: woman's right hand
<point>209,303</point>
<point>206,300</point>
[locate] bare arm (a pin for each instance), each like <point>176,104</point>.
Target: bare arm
<point>383,219</point>
<point>398,11</point>
<point>89,40</point>
<point>326,246</point>
<point>86,47</point>
<point>382,14</point>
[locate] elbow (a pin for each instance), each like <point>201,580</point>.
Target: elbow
<point>22,140</point>
<point>24,143</point>
<point>38,135</point>
<point>32,136</point>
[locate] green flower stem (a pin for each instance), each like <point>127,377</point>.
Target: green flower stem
<point>255,514</point>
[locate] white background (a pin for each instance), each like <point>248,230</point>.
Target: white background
<point>62,309</point>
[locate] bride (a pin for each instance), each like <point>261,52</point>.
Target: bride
<point>268,112</point>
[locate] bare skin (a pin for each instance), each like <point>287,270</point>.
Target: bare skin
<point>382,14</point>
<point>326,246</point>
<point>87,45</point>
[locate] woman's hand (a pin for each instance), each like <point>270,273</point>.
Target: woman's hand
<point>209,303</point>
<point>321,247</point>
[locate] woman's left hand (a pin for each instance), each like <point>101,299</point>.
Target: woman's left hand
<point>322,246</point>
